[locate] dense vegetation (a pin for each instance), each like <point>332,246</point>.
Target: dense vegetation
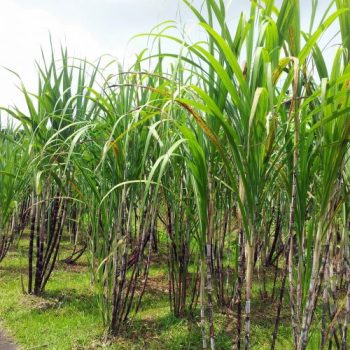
<point>230,157</point>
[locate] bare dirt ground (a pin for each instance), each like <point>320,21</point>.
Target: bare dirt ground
<point>6,343</point>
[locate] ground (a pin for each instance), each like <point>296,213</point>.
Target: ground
<point>67,316</point>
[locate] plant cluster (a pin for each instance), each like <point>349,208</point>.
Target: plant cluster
<point>233,151</point>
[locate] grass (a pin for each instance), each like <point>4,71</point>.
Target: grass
<point>67,316</point>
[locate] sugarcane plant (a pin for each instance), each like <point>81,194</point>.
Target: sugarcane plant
<point>13,201</point>
<point>230,155</point>
<point>50,118</point>
<point>268,135</point>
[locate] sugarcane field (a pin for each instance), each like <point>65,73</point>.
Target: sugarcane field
<point>175,174</point>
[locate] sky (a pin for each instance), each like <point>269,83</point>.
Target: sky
<point>89,28</point>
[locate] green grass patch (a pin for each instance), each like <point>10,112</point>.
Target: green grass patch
<point>67,315</point>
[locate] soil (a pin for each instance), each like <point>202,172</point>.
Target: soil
<point>6,343</point>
